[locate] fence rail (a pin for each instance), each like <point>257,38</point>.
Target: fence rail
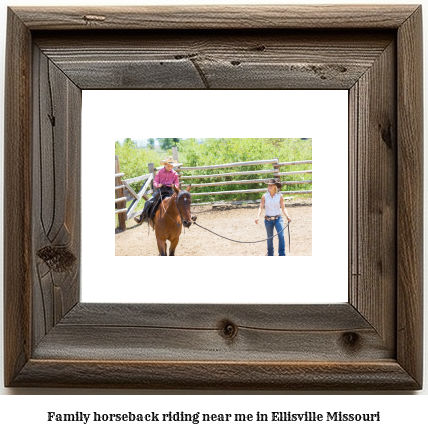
<point>258,190</point>
<point>227,165</point>
<point>301,172</point>
<point>218,175</point>
<point>244,181</point>
<point>294,163</point>
<point>275,171</point>
<point>129,194</point>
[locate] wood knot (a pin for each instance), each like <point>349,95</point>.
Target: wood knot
<point>228,329</point>
<point>386,134</point>
<point>58,259</point>
<point>235,62</point>
<point>351,341</point>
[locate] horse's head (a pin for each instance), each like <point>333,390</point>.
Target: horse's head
<point>183,201</point>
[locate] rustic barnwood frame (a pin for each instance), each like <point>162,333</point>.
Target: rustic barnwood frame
<point>372,342</point>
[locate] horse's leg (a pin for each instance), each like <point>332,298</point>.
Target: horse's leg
<point>161,246</point>
<point>173,245</point>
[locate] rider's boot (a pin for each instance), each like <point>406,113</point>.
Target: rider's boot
<point>140,219</point>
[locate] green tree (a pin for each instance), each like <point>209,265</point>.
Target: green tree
<point>134,160</point>
<point>151,143</point>
<point>166,144</point>
<point>130,143</point>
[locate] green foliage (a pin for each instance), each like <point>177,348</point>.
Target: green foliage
<point>166,144</point>
<point>151,143</point>
<point>134,161</point>
<point>222,151</point>
<point>193,152</point>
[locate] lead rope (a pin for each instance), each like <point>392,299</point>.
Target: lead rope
<point>229,239</point>
<point>252,242</point>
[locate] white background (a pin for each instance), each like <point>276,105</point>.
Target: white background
<point>320,278</point>
<point>401,413</point>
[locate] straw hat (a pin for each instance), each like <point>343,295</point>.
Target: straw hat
<point>273,181</point>
<point>168,160</point>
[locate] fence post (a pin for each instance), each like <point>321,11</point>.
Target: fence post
<point>152,170</point>
<point>175,153</point>
<point>175,157</point>
<point>120,193</point>
<point>276,167</point>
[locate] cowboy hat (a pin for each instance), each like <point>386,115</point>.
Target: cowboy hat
<point>168,160</point>
<point>273,181</point>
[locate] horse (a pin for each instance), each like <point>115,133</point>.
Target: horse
<point>171,215</point>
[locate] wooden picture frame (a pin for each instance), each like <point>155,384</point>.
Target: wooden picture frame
<point>372,342</point>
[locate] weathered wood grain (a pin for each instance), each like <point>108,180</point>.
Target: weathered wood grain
<point>373,177</point>
<point>376,375</point>
<point>216,60</point>
<point>216,17</point>
<point>410,196</point>
<point>17,198</point>
<point>265,316</point>
<point>199,332</point>
<point>55,194</point>
<point>177,344</point>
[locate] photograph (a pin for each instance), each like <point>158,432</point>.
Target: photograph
<point>342,313</point>
<point>213,197</point>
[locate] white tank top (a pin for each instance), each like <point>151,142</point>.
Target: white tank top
<point>272,206</point>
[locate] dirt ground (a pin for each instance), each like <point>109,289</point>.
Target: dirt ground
<point>235,222</point>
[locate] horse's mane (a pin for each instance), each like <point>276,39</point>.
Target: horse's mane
<point>183,193</point>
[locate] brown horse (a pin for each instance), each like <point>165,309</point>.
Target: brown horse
<point>172,214</point>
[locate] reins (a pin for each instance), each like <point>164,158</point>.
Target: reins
<point>179,213</point>
<point>163,206</point>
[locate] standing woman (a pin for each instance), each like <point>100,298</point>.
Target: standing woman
<point>273,202</point>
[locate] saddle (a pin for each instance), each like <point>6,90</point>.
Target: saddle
<point>163,194</point>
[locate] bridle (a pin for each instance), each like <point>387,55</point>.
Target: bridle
<point>179,212</point>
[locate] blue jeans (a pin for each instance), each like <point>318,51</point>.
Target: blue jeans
<point>278,224</point>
